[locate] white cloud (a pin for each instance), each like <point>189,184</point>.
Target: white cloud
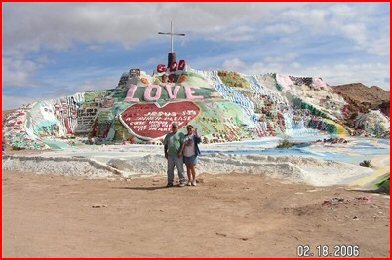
<point>281,28</point>
<point>267,65</point>
<point>236,34</point>
<point>361,23</point>
<point>32,27</point>
<point>283,58</point>
<point>254,68</point>
<point>370,74</point>
<point>15,101</point>
<point>234,65</point>
<point>96,84</point>
<point>380,46</point>
<point>17,72</point>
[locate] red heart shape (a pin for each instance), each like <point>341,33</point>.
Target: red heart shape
<point>150,121</point>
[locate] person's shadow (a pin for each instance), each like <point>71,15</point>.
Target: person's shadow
<point>142,188</point>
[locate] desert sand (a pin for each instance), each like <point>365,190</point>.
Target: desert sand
<point>233,215</point>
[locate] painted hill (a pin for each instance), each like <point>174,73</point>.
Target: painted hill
<point>224,105</point>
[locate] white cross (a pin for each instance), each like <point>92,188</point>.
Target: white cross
<point>171,34</point>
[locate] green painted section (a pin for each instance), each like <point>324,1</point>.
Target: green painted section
<point>383,185</point>
<point>56,144</point>
<point>233,79</point>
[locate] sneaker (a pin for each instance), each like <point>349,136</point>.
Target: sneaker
<point>189,183</point>
<point>193,183</point>
<point>169,185</point>
<point>181,184</point>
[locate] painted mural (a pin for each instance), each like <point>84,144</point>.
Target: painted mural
<point>151,121</point>
<point>225,106</point>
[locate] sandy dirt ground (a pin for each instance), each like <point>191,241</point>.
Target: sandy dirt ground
<point>232,215</point>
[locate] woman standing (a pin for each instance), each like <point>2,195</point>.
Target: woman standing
<point>190,151</point>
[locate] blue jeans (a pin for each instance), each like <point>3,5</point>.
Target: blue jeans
<point>190,160</point>
<point>172,161</point>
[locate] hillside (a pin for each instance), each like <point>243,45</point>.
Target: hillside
<point>223,105</point>
<point>363,98</point>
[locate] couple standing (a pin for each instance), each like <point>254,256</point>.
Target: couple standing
<point>181,149</point>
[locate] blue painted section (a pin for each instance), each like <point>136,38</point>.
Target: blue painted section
<point>358,150</point>
<point>56,145</point>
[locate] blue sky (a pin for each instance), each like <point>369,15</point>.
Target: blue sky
<point>57,49</point>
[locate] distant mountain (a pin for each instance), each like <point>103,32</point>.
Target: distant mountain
<point>362,98</point>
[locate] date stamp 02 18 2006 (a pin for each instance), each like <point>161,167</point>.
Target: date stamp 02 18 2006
<point>326,251</point>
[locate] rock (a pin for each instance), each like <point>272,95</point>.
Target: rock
<point>200,180</point>
<point>362,198</point>
<point>99,206</point>
<point>335,201</point>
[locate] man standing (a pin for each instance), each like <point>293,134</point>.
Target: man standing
<point>172,146</point>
